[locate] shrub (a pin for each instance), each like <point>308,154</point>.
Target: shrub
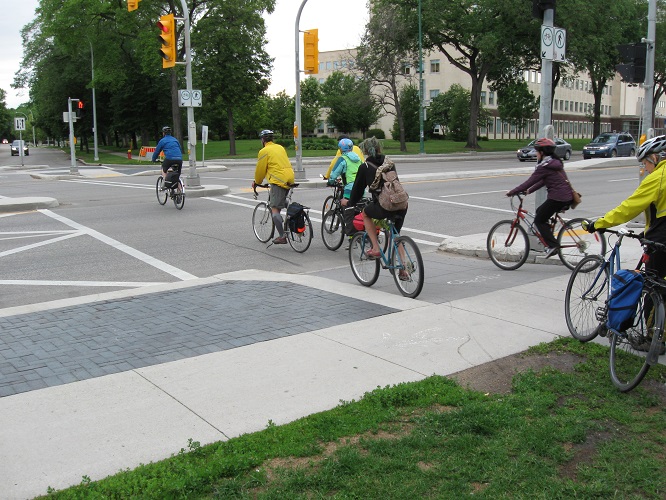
<point>377,132</point>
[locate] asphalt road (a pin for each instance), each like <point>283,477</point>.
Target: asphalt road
<point>109,233</point>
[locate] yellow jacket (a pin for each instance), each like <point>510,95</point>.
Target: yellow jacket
<point>274,166</point>
<point>650,198</point>
<point>355,149</point>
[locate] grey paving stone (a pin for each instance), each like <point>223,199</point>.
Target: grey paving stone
<point>48,348</point>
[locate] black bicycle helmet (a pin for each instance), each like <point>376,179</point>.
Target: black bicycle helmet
<point>651,146</point>
<point>166,129</point>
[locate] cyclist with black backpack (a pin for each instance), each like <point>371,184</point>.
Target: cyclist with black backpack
<point>173,154</point>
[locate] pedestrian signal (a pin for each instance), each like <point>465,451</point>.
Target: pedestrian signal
<point>79,109</point>
<point>167,26</point>
<point>311,52</point>
<point>132,5</point>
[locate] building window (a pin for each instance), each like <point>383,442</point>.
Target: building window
<point>491,98</point>
<point>576,106</point>
<point>328,65</point>
<point>434,66</point>
<point>320,128</point>
<point>407,69</point>
<point>566,105</point>
<point>434,93</point>
<point>555,104</point>
<point>483,97</point>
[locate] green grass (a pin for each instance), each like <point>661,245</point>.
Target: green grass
<point>249,149</point>
<point>556,435</point>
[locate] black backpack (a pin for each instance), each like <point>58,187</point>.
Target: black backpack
<point>296,214</point>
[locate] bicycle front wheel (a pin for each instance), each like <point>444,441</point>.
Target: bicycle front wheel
<point>328,204</point>
<point>575,243</point>
<point>332,229</point>
<point>179,195</point>
<point>585,298</point>
<point>407,265</point>
<point>634,350</point>
<point>300,241</point>
<point>262,222</point>
<point>162,196</point>
<point>365,269</point>
<point>507,244</point>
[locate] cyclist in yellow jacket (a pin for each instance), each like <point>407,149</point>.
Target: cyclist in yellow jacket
<point>273,165</point>
<point>649,198</point>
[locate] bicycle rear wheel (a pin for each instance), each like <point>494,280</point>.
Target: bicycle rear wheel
<point>262,222</point>
<point>633,352</point>
<point>585,298</point>
<point>179,195</point>
<point>408,270</point>
<point>300,241</point>
<point>332,229</point>
<point>365,269</point>
<point>575,243</point>
<point>162,196</point>
<point>507,244</point>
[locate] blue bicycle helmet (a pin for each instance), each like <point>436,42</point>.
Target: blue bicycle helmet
<point>345,145</point>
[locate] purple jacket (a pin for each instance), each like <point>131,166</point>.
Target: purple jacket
<point>549,173</point>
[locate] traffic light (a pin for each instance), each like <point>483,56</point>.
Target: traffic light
<point>538,6</point>
<point>132,5</point>
<point>632,55</point>
<point>167,26</point>
<point>79,110</point>
<point>311,52</point>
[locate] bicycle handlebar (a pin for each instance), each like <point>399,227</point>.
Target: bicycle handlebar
<point>630,234</point>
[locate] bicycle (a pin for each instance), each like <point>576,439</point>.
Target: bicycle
<point>401,255</point>
<point>332,222</point>
<point>264,227</point>
<point>508,243</point>
<point>586,312</point>
<point>175,190</point>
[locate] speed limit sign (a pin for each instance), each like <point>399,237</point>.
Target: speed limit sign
<point>19,123</point>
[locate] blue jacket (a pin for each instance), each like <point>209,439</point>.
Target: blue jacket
<point>171,147</point>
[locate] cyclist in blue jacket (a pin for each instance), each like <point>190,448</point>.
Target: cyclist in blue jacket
<point>173,155</point>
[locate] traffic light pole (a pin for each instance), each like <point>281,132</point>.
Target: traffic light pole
<point>546,100</point>
<point>193,180</point>
<point>72,153</point>
<point>648,85</point>
<point>94,104</point>
<point>299,171</point>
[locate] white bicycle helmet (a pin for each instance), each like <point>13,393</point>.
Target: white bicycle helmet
<point>651,146</point>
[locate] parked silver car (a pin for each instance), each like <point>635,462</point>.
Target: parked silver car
<point>562,149</point>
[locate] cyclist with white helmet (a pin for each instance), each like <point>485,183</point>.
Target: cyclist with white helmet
<point>549,172</point>
<point>273,165</point>
<point>649,198</point>
<point>345,167</point>
<point>173,154</point>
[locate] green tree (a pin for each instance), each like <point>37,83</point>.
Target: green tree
<point>350,103</point>
<point>382,57</point>
<point>410,128</point>
<point>591,45</point>
<point>231,61</point>
<point>5,117</point>
<point>281,114</point>
<point>517,104</point>
<point>311,100</point>
<point>451,110</point>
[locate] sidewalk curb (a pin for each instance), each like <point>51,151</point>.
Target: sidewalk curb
<point>26,204</point>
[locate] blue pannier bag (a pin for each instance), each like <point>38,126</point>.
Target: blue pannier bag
<point>626,287</point>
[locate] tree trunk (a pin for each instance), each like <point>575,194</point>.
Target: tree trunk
<point>232,135</point>
<point>474,108</point>
<point>398,115</point>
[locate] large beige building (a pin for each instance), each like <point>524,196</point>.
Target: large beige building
<point>621,104</point>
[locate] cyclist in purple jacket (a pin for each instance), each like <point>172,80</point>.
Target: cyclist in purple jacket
<point>549,172</point>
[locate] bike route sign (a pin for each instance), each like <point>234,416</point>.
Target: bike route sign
<point>553,43</point>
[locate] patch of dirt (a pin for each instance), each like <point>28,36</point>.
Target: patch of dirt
<point>495,377</point>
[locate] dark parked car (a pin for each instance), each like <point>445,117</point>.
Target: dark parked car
<point>610,145</point>
<point>16,145</point>
<point>562,149</point>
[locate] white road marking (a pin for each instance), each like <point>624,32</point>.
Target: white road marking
<point>152,261</point>
<point>472,194</point>
<point>122,284</point>
<point>40,244</point>
<point>493,209</point>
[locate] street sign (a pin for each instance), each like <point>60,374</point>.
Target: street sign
<point>204,134</point>
<point>65,117</point>
<point>553,43</point>
<point>546,42</point>
<point>190,98</point>
<point>560,47</point>
<point>19,123</point>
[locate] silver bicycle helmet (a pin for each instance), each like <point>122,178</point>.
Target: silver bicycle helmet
<point>166,129</point>
<point>266,133</point>
<point>651,146</point>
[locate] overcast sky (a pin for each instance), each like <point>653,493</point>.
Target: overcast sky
<point>340,24</point>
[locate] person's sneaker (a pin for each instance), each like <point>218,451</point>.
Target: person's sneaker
<point>645,347</point>
<point>549,252</point>
<point>602,330</point>
<point>280,240</point>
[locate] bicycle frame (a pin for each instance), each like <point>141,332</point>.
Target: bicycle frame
<point>391,248</point>
<point>528,218</point>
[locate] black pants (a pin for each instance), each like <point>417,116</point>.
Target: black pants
<point>541,220</point>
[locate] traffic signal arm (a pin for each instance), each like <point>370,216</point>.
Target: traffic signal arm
<point>311,52</point>
<point>167,26</point>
